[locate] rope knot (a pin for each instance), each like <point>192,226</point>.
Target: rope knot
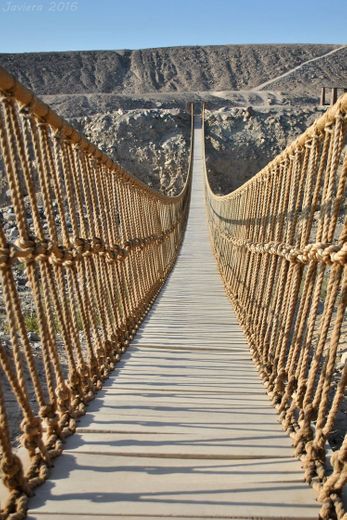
<point>269,247</point>
<point>124,253</point>
<point>81,247</point>
<point>56,255</point>
<point>78,248</point>
<point>339,255</point>
<point>127,246</point>
<point>61,256</point>
<point>111,255</point>
<point>293,255</point>
<point>96,245</point>
<point>32,432</point>
<point>46,411</point>
<point>24,250</point>
<point>13,474</point>
<point>74,380</point>
<point>63,396</point>
<point>42,250</point>
<point>87,247</point>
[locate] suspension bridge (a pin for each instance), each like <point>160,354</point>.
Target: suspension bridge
<point>164,388</point>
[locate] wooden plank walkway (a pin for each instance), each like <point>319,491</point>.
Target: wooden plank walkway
<point>183,428</point>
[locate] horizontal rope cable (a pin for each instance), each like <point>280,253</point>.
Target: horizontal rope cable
<point>280,245</point>
<point>94,246</point>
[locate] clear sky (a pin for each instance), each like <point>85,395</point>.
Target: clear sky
<point>47,25</point>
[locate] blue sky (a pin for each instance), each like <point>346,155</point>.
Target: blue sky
<point>46,25</point>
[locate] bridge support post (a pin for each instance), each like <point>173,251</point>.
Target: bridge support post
<point>333,96</point>
<point>322,96</point>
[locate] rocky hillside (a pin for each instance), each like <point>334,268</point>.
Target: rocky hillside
<point>329,70</point>
<point>240,142</point>
<point>172,69</point>
<point>150,144</point>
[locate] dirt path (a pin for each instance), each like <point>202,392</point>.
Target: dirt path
<point>270,81</point>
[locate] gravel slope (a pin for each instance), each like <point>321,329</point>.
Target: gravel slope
<point>171,69</point>
<point>241,141</point>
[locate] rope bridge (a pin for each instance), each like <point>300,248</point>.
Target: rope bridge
<point>280,245</point>
<point>95,245</point>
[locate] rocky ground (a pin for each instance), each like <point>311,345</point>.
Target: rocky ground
<point>152,144</point>
<point>241,141</point>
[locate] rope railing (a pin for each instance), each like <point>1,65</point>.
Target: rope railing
<point>86,254</point>
<point>280,245</point>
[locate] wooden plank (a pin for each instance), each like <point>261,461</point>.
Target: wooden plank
<point>113,485</point>
<point>244,444</point>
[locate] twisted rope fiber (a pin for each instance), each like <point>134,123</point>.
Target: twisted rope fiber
<point>280,245</point>
<point>95,256</point>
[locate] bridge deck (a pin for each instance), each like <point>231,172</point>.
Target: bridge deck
<point>183,428</point>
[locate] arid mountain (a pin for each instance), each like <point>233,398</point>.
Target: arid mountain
<point>173,69</point>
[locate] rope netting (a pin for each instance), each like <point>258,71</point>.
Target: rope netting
<point>280,244</point>
<point>84,250</point>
